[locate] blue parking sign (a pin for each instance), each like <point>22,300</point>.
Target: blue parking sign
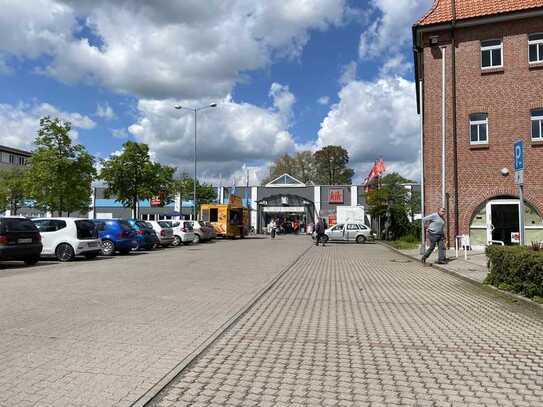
<point>518,155</point>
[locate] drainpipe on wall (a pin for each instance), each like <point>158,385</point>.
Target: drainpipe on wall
<point>443,122</point>
<point>455,136</point>
<point>423,234</point>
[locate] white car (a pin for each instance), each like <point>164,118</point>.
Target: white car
<point>163,231</point>
<point>351,231</point>
<point>65,238</point>
<point>182,232</point>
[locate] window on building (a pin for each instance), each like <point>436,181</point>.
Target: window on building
<point>20,160</point>
<point>5,157</point>
<point>535,48</point>
<point>537,124</point>
<point>491,54</point>
<point>12,159</point>
<point>478,128</point>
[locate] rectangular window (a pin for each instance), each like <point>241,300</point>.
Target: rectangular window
<point>537,124</point>
<point>491,54</point>
<point>11,159</point>
<point>478,126</point>
<point>213,215</point>
<point>535,48</point>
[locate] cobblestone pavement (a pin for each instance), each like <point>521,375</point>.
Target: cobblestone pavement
<point>102,333</point>
<point>354,325</point>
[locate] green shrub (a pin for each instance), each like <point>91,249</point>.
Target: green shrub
<point>516,269</point>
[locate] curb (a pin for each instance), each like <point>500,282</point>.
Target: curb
<point>465,278</point>
<point>150,394</point>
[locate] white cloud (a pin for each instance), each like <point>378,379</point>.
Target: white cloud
<point>19,124</point>
<point>104,111</point>
<point>119,133</point>
<point>348,73</point>
<point>374,120</point>
<point>323,100</point>
<point>283,99</point>
<point>228,136</point>
<point>395,66</point>
<point>188,49</point>
<point>391,30</point>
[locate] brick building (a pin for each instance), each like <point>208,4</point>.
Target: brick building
<point>492,52</point>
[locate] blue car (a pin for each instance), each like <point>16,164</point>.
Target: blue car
<point>147,239</point>
<point>117,235</point>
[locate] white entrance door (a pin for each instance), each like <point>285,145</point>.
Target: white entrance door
<point>499,220</point>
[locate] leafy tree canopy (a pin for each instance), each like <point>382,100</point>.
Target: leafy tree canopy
<point>132,176</point>
<point>13,189</point>
<point>205,193</point>
<point>60,173</point>
<point>331,166</point>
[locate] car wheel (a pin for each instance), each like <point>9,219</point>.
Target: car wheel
<point>196,238</point>
<point>30,261</point>
<point>91,256</point>
<point>360,239</point>
<point>64,252</point>
<point>108,248</point>
<point>325,239</point>
<point>176,241</point>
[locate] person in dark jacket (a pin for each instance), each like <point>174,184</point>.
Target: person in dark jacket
<point>319,231</point>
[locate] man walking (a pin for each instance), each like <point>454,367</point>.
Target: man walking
<point>319,231</point>
<point>436,235</point>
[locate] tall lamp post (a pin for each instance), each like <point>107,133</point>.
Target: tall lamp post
<point>195,111</point>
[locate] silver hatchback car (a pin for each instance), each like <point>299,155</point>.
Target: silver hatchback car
<point>351,231</point>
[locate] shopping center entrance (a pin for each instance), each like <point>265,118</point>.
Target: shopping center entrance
<point>291,213</point>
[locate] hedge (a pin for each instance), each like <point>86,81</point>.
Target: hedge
<point>516,269</point>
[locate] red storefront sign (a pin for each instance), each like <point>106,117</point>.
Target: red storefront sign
<point>335,196</point>
<point>155,201</point>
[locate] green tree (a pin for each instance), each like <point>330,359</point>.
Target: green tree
<point>205,193</point>
<point>392,204</point>
<point>131,176</point>
<point>331,166</point>
<point>13,189</point>
<point>301,166</point>
<point>60,173</point>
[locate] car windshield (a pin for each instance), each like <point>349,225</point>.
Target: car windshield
<point>19,225</point>
<point>164,224</point>
<point>86,229</point>
<point>339,227</point>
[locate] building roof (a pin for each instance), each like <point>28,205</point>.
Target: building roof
<point>15,151</point>
<point>441,11</point>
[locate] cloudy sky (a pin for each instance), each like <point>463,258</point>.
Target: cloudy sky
<point>287,75</point>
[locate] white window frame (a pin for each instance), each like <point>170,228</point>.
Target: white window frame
<point>478,123</point>
<point>491,48</point>
<point>535,42</point>
<point>540,120</point>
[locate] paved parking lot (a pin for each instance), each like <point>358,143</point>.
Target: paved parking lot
<point>102,333</point>
<point>356,326</point>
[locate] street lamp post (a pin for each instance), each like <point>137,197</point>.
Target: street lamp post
<point>195,111</point>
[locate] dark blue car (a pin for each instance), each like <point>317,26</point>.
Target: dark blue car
<point>146,236</point>
<point>117,235</point>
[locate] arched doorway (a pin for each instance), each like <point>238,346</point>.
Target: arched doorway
<point>498,220</point>
<point>285,209</point>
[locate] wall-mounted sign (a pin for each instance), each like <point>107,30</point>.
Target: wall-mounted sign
<point>155,201</point>
<point>284,200</point>
<point>335,196</point>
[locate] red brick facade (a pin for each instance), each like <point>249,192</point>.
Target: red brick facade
<point>506,94</point>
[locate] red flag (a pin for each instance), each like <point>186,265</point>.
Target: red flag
<point>380,166</point>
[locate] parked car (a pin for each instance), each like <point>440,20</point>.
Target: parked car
<point>116,235</point>
<point>202,231</point>
<point>351,231</point>
<point>146,236</point>
<point>65,238</point>
<point>164,232</point>
<point>183,232</point>
<point>19,240</point>
<point>154,234</point>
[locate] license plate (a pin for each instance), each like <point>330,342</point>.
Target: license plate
<point>25,240</point>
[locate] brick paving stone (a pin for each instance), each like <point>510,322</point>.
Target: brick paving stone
<point>361,325</point>
<point>102,333</point>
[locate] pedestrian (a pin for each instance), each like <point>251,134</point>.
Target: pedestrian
<point>319,231</point>
<point>436,235</point>
<point>273,227</point>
